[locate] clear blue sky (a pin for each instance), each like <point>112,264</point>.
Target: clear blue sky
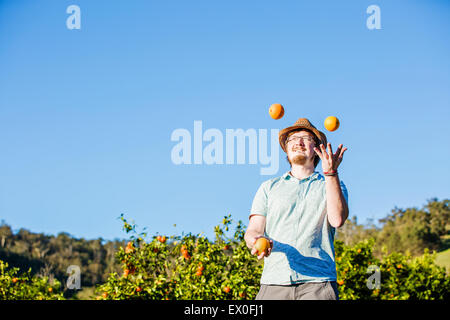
<point>86,115</point>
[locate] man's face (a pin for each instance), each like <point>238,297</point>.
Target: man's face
<point>300,147</point>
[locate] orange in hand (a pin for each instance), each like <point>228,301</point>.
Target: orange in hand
<point>331,123</point>
<point>261,245</point>
<point>276,111</point>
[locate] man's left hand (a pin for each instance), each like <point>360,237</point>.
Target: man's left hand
<point>330,161</point>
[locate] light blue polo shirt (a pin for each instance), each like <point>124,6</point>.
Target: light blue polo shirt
<point>296,221</point>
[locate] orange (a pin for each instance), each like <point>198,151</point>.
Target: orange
<point>50,290</point>
<point>129,247</point>
<point>105,295</point>
<point>161,239</point>
<point>227,289</point>
<point>261,245</point>
<point>199,273</point>
<point>185,254</point>
<point>331,123</point>
<point>14,280</point>
<point>138,289</point>
<point>276,111</point>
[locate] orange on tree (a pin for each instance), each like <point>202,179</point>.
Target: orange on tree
<point>129,248</point>
<point>14,280</point>
<point>261,245</point>
<point>227,289</point>
<point>162,239</point>
<point>105,295</point>
<point>138,289</point>
<point>186,255</point>
<point>199,273</point>
<point>331,123</point>
<point>50,289</point>
<point>276,111</point>
<point>184,252</point>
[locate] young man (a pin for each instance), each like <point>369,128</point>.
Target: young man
<point>298,212</point>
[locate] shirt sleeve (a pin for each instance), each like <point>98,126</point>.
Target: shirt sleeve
<point>344,191</point>
<point>259,205</point>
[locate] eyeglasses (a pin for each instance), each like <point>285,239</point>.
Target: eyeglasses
<point>303,139</point>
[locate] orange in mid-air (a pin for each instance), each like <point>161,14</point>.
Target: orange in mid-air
<point>331,123</point>
<point>276,111</point>
<point>261,245</point>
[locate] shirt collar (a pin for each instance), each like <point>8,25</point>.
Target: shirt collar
<point>288,176</point>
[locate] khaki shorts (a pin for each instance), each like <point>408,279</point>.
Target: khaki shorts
<point>303,291</point>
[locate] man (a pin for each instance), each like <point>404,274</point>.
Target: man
<point>299,212</point>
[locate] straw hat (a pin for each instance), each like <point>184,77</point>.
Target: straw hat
<point>301,123</point>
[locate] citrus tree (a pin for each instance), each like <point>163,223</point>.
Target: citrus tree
<point>193,267</point>
<point>15,286</point>
<point>400,276</point>
<point>188,267</point>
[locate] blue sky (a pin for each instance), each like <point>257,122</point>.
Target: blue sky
<point>86,115</point>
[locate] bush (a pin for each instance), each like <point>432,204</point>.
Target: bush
<point>25,286</point>
<point>401,277</point>
<point>192,267</point>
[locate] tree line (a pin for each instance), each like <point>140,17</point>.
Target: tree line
<point>410,230</point>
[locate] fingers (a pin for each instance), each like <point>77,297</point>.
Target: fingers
<point>341,155</point>
<point>324,152</point>
<point>318,152</point>
<point>338,151</point>
<point>330,151</point>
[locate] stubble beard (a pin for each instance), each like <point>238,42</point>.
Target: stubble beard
<point>298,159</point>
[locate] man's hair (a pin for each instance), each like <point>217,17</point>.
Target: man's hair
<point>317,143</point>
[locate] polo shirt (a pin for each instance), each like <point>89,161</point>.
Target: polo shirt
<point>296,221</point>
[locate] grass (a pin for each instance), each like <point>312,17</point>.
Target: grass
<point>85,293</point>
<point>443,259</point>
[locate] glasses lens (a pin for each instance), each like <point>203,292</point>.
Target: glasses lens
<point>297,139</point>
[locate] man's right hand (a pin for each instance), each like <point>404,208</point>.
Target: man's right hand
<point>255,230</point>
<point>265,253</point>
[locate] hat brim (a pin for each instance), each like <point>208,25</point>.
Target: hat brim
<point>285,132</point>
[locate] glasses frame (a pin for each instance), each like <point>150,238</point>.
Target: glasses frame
<point>302,138</point>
